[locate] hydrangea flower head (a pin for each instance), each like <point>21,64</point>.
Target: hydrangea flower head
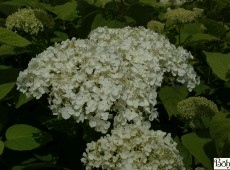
<point>133,147</point>
<point>182,15</point>
<point>192,109</point>
<point>114,74</point>
<point>155,25</point>
<point>29,20</point>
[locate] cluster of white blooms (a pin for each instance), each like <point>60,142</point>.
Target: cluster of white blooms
<point>133,147</point>
<point>182,15</point>
<point>114,74</point>
<point>29,20</point>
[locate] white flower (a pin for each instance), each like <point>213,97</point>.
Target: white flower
<point>29,20</point>
<point>114,74</point>
<point>133,147</point>
<point>182,15</point>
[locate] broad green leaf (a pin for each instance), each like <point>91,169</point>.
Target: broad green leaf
<point>12,38</point>
<point>44,158</point>
<point>220,132</point>
<point>196,146</point>
<point>187,156</point>
<point>203,37</point>
<point>2,67</point>
<point>191,28</point>
<point>8,75</point>
<point>228,36</point>
<point>1,147</point>
<point>219,63</point>
<point>214,28</point>
<point>5,89</point>
<point>170,96</point>
<point>66,11</point>
<point>100,21</point>
<point>22,99</point>
<point>21,137</point>
<point>6,50</point>
<point>38,166</point>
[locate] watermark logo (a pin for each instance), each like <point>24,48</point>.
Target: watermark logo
<point>221,163</point>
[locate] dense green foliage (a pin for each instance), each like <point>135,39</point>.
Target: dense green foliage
<point>32,138</point>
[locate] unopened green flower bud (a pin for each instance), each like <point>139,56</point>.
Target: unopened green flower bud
<point>193,109</point>
<point>155,25</point>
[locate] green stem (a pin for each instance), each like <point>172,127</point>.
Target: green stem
<point>179,27</point>
<point>193,163</point>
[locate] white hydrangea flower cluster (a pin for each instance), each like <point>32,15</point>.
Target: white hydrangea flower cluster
<point>113,74</point>
<point>133,147</point>
<point>182,15</point>
<point>29,20</point>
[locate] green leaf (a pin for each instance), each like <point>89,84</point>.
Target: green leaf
<point>170,96</point>
<point>12,38</point>
<point>2,67</point>
<point>1,147</point>
<point>5,89</point>
<point>192,33</point>
<point>196,146</point>
<point>203,37</point>
<point>100,21</point>
<point>8,75</point>
<point>66,11</point>
<point>44,158</point>
<point>21,137</point>
<point>37,166</point>
<point>214,28</point>
<point>191,28</point>
<point>6,50</point>
<point>187,157</point>
<point>22,99</point>
<point>219,63</point>
<point>220,132</point>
